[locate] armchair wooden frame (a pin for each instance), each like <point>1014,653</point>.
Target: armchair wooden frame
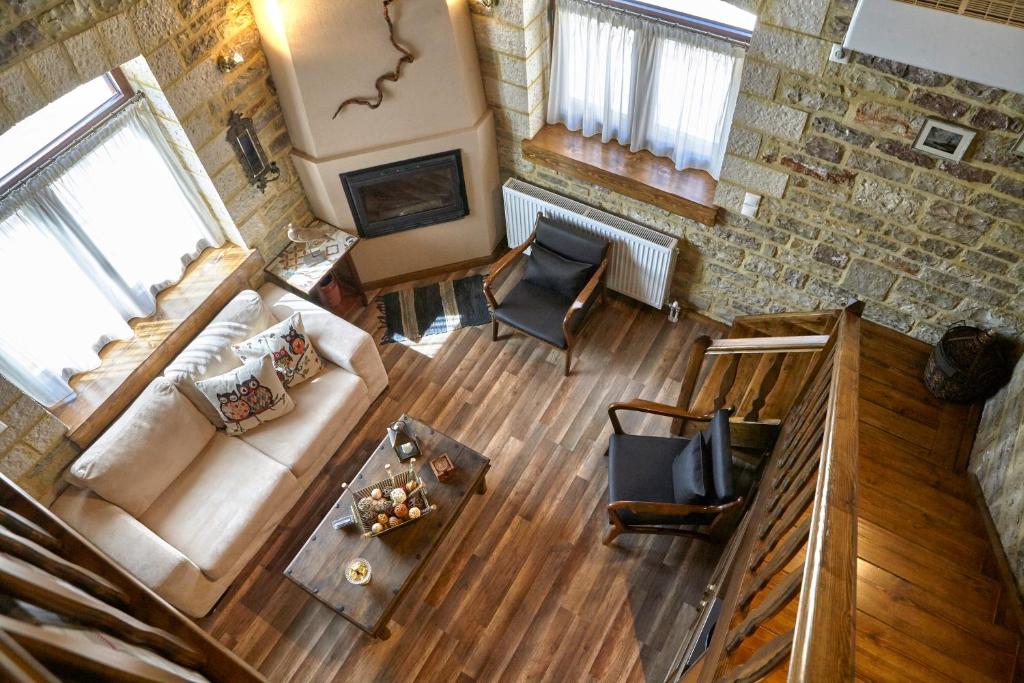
<point>582,298</point>
<point>720,512</point>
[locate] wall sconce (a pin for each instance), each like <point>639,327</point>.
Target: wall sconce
<point>258,168</point>
<point>230,62</point>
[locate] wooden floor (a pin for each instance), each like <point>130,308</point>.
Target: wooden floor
<point>522,589</point>
<point>930,606</point>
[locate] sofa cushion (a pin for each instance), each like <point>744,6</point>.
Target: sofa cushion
<point>570,242</point>
<point>547,269</point>
<point>210,353</point>
<point>143,451</point>
<point>326,406</point>
<point>295,359</point>
<point>336,339</point>
<point>218,506</point>
<point>247,396</point>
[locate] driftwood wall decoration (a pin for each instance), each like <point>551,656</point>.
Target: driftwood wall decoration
<point>406,57</point>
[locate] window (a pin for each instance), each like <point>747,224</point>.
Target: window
<point>634,77</point>
<point>97,216</point>
<point>58,125</point>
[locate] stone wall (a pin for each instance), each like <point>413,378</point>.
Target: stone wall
<point>998,462</point>
<point>849,208</point>
<point>47,47</point>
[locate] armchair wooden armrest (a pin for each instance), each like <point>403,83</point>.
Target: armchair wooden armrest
<point>501,264</point>
<point>581,300</point>
<point>641,507</point>
<point>640,405</point>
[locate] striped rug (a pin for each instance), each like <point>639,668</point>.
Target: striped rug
<point>411,314</point>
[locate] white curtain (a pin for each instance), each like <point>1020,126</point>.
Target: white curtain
<point>644,83</point>
<point>87,243</point>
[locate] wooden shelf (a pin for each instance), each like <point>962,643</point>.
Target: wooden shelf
<point>640,175</point>
<point>182,310</point>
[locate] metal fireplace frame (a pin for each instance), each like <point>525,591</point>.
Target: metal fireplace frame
<point>352,181</point>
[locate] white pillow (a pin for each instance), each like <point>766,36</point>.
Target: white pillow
<point>247,396</point>
<point>144,450</point>
<point>294,357</point>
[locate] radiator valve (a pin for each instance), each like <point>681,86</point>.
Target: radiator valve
<point>673,312</point>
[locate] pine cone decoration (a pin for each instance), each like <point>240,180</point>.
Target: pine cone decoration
<point>365,505</point>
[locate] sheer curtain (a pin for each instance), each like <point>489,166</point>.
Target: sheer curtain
<point>644,83</point>
<point>87,243</point>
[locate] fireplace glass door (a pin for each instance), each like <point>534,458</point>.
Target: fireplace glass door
<point>407,194</point>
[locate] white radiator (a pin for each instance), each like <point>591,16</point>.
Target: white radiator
<point>641,261</point>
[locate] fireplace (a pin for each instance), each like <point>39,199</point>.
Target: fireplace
<point>407,194</point>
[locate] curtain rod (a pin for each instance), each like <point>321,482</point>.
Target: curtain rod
<point>95,127</point>
<point>655,16</point>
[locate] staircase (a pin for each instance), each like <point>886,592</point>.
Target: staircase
<point>932,597</point>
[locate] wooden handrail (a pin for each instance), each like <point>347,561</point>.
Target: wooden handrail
<point>807,343</point>
<point>823,636</point>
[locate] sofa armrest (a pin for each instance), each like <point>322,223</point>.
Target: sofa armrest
<point>334,338</point>
<point>127,541</point>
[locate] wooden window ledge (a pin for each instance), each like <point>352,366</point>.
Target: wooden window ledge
<point>182,310</point>
<point>640,175</point>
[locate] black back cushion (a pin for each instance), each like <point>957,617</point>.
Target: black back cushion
<point>691,473</point>
<point>721,454</point>
<point>547,269</point>
<point>570,243</point>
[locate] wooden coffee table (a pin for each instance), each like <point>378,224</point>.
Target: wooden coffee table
<point>397,557</point>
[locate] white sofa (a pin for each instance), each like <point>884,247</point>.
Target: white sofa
<point>183,506</point>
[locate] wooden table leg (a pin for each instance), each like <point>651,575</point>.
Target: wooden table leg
<point>383,633</point>
<point>481,488</point>
<point>358,281</point>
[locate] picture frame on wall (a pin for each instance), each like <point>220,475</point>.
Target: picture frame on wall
<point>944,140</point>
<point>1018,146</point>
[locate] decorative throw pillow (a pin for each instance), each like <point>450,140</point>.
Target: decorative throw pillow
<point>691,472</point>
<point>247,396</point>
<point>294,357</point>
<point>547,269</point>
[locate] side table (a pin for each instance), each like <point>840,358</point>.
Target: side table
<point>301,268</point>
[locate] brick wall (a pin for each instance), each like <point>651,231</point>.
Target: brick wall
<point>47,47</point>
<point>849,208</point>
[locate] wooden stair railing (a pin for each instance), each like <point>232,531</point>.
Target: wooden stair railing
<point>67,612</point>
<point>790,579</point>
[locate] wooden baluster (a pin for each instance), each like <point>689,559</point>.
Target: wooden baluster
<point>693,365</point>
<point>728,379</point>
<point>9,519</point>
<point>29,583</point>
<point>35,554</point>
<point>782,524</point>
<point>765,388</point>
<point>777,598</point>
<point>766,658</point>
<point>808,465</point>
<point>785,552</point>
<point>18,666</point>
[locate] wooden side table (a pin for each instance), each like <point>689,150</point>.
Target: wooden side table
<point>301,268</point>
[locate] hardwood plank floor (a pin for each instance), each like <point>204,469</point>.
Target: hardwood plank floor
<point>522,588</point>
<point>928,602</point>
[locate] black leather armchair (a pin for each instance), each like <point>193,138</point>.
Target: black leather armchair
<point>670,485</point>
<point>558,289</point>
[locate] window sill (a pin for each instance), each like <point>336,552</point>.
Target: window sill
<point>128,366</point>
<point>640,175</point>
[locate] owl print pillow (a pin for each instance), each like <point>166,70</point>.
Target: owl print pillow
<point>247,396</point>
<point>295,359</point>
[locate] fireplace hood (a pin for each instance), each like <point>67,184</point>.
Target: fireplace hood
<point>989,51</point>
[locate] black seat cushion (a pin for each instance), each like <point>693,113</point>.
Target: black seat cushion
<point>640,469</point>
<point>570,243</point>
<point>538,311</point>
<point>691,473</point>
<point>547,269</point>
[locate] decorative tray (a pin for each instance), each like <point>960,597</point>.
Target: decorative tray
<point>390,503</point>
